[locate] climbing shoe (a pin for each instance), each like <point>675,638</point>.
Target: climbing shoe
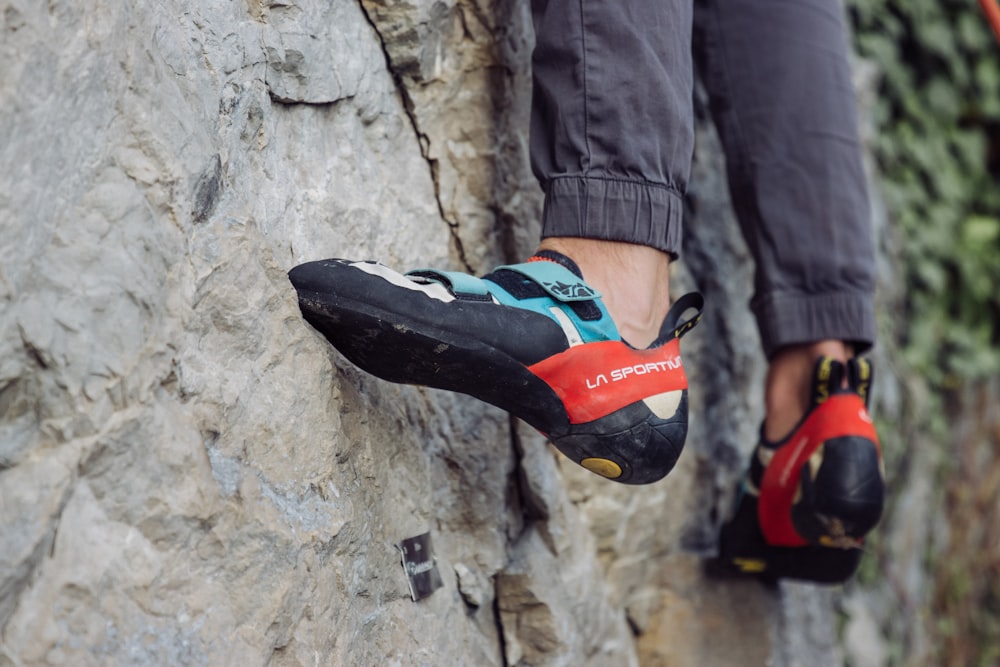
<point>532,338</point>
<point>806,502</point>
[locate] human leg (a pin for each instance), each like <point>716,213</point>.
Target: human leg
<point>779,83</point>
<point>778,79</point>
<point>789,380</point>
<point>611,142</point>
<point>534,338</point>
<point>611,149</point>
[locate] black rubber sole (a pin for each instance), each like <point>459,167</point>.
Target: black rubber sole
<point>743,552</point>
<point>436,358</point>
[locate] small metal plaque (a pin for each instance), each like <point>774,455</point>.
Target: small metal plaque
<point>418,564</point>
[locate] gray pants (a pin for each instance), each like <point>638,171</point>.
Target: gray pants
<point>612,138</point>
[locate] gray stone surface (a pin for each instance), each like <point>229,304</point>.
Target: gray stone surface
<point>190,475</point>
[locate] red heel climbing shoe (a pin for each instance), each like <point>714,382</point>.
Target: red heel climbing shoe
<point>532,338</point>
<point>807,501</point>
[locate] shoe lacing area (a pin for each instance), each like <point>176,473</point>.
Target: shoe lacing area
<point>823,485</point>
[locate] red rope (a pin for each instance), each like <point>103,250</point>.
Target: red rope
<point>992,11</point>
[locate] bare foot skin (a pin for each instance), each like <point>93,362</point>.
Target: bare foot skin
<point>786,390</point>
<point>634,281</point>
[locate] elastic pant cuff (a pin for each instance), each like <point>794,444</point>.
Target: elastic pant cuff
<point>790,319</point>
<point>614,210</point>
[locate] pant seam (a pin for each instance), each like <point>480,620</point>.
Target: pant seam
<point>739,139</point>
<point>586,99</point>
<point>585,78</point>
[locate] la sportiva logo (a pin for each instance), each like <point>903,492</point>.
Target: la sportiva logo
<point>625,372</point>
<point>575,291</point>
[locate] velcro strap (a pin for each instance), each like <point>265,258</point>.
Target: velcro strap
<point>558,282</point>
<point>462,285</point>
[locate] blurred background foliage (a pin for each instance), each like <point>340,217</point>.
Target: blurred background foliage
<point>938,151</point>
<point>938,154</point>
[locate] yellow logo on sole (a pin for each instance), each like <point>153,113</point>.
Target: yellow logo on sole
<point>603,467</point>
<point>750,565</point>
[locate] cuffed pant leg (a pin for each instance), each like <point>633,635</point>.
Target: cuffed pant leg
<point>611,125</point>
<point>779,84</point>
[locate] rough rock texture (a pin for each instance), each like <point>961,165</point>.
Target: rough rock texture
<point>190,475</point>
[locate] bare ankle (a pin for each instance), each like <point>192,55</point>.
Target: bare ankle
<point>634,281</point>
<point>789,383</point>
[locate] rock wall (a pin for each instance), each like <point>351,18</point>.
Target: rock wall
<point>190,475</point>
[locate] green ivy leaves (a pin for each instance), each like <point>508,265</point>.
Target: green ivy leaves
<point>938,151</point>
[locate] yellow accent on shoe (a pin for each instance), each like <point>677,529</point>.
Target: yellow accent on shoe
<point>839,542</point>
<point>750,565</point>
<point>602,467</point>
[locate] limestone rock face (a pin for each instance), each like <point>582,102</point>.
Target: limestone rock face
<point>190,475</point>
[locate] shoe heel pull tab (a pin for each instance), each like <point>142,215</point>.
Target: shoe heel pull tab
<point>673,326</point>
<point>859,377</point>
<point>828,375</point>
